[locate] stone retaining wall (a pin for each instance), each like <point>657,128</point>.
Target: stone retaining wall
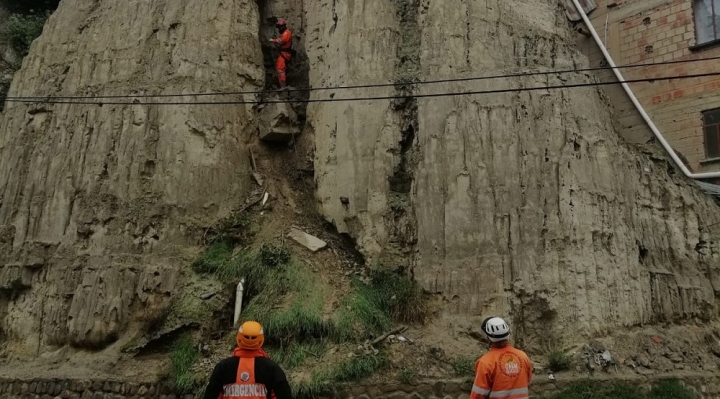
<point>705,387</point>
<point>82,389</point>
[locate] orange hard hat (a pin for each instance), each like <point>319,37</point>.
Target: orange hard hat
<point>250,335</point>
<point>280,22</point>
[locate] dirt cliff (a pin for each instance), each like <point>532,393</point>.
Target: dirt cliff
<point>526,204</point>
<point>99,204</point>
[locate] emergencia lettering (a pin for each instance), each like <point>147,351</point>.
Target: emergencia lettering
<point>245,390</point>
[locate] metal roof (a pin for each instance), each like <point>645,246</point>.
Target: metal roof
<point>572,14</point>
<point>711,189</point>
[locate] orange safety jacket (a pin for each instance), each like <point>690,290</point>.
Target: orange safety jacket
<point>502,373</point>
<point>285,43</point>
<point>245,386</point>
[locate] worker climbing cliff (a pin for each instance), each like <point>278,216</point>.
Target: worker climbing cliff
<point>284,44</point>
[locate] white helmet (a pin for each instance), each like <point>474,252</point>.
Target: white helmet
<point>496,329</point>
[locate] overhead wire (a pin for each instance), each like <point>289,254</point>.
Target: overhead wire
<point>371,98</point>
<point>364,86</point>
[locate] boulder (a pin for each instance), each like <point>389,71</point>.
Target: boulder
<point>278,123</point>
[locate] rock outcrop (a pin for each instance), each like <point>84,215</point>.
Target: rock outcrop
<point>100,204</point>
<point>524,203</point>
<point>278,122</point>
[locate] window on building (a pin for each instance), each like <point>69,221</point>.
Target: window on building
<point>711,122</point>
<point>707,20</point>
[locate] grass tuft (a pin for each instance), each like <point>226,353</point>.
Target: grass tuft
<point>237,228</point>
<point>294,354</point>
<point>295,317</point>
<point>274,256</point>
<point>399,294</point>
<point>313,388</point>
<point>670,389</point>
<point>325,381</point>
<point>182,359</point>
<point>358,367</point>
<point>407,376</point>
<point>559,360</point>
<point>360,314</point>
<point>463,366</point>
<point>371,308</point>
<point>215,259</point>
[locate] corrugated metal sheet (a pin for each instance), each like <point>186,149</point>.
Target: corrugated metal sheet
<point>572,14</point>
<point>712,189</point>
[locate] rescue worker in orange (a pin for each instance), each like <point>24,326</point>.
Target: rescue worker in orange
<point>249,373</point>
<point>503,372</point>
<point>284,42</point>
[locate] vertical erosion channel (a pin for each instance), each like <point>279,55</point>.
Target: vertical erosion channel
<point>403,236</point>
<point>298,69</point>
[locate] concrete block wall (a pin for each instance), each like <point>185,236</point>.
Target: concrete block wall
<point>653,31</point>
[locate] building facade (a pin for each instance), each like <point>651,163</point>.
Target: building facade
<point>686,111</point>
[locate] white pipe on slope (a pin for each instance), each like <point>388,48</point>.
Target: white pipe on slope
<point>635,101</point>
<point>238,301</point>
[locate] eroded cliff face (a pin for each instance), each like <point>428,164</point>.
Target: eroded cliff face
<point>524,203</point>
<point>100,204</point>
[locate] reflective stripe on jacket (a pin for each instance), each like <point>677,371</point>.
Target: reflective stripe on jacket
<point>245,386</point>
<point>502,373</point>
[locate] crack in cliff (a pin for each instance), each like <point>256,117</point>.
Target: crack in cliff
<point>467,33</point>
<point>401,217</point>
<point>298,68</point>
<point>334,17</point>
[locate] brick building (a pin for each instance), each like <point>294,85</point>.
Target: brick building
<point>686,111</point>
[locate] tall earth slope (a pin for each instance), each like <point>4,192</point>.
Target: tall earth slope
<point>524,203</point>
<point>99,203</point>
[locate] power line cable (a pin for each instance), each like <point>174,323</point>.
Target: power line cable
<point>363,86</point>
<point>395,97</point>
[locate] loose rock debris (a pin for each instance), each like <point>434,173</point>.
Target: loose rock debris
<point>308,241</point>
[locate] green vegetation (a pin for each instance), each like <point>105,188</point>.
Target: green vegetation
<point>237,228</point>
<point>274,256</point>
<point>289,300</point>
<point>182,358</point>
<point>23,29</point>
<point>295,317</point>
<point>669,389</point>
<point>214,260</point>
<point>558,360</point>
<point>463,366</point>
<point>325,380</point>
<point>295,354</point>
<point>389,296</point>
<point>407,376</point>
<point>29,6</point>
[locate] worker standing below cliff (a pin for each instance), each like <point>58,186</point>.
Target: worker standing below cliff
<point>504,372</point>
<point>284,43</point>
<point>249,373</point>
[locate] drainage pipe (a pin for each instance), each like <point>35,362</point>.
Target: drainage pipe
<point>238,301</point>
<point>656,132</point>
